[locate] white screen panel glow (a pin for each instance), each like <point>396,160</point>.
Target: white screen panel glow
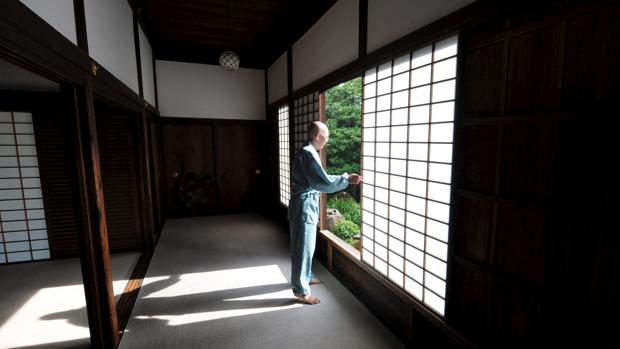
<point>284,155</point>
<point>23,230</point>
<point>408,122</point>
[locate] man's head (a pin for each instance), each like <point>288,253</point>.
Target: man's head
<point>318,134</point>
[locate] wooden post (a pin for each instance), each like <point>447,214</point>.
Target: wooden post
<point>323,156</point>
<point>93,234</point>
<point>144,160</point>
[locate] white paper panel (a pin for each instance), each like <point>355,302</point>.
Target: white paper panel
<point>414,288</point>
<point>435,284</point>
<point>419,209</point>
<point>443,112</point>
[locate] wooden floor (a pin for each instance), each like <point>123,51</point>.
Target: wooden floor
<point>223,282</point>
<point>42,304</point>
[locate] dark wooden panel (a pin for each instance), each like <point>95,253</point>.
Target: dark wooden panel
<point>534,70</point>
<point>521,239</point>
<point>469,305</point>
<point>527,160</point>
<point>472,229</point>
<point>393,311</point>
<point>157,172</point>
<point>584,258</point>
<point>321,249</point>
<point>117,150</point>
<point>487,31</point>
<point>190,169</point>
<point>516,316</point>
<point>478,155</point>
<point>238,166</point>
<point>57,167</point>
<point>591,69</point>
<point>483,71</point>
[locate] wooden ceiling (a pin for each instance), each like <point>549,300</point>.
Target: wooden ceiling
<point>259,31</point>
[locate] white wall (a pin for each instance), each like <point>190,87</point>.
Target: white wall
<point>146,61</point>
<point>208,91</point>
<point>57,13</point>
<point>330,44</point>
<point>109,26</point>
<point>389,20</point>
<point>277,75</point>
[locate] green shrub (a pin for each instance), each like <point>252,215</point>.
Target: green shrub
<point>348,208</point>
<point>343,110</point>
<point>346,230</point>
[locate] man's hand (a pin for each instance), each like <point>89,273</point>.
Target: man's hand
<point>355,179</point>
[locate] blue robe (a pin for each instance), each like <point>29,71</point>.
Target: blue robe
<point>308,180</point>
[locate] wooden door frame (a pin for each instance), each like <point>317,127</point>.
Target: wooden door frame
<point>30,42</point>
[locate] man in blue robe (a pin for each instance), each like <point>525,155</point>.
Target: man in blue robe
<point>308,180</point>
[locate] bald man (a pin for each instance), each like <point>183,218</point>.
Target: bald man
<point>308,180</point>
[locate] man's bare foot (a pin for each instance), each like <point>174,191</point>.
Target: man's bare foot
<point>307,298</point>
<point>316,281</point>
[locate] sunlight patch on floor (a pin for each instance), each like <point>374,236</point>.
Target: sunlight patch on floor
<point>225,280</point>
<point>51,315</point>
<point>220,280</point>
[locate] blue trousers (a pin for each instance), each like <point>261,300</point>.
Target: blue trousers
<point>303,242</point>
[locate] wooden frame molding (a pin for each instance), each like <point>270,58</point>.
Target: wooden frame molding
<point>94,249</point>
<point>136,40</point>
<point>80,25</point>
<point>363,28</point>
<point>131,291</point>
<point>29,41</point>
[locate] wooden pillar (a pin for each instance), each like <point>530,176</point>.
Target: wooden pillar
<point>93,234</point>
<point>323,156</point>
<point>145,180</point>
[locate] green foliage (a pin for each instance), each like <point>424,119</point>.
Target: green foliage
<point>348,208</point>
<point>346,230</point>
<point>343,109</point>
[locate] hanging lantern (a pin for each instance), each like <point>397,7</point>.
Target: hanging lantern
<point>229,60</point>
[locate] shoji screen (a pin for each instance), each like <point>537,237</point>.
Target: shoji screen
<point>306,111</point>
<point>408,116</point>
<point>23,231</point>
<point>284,155</point>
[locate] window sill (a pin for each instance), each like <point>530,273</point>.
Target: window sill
<point>341,245</point>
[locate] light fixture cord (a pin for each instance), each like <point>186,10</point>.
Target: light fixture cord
<point>228,23</point>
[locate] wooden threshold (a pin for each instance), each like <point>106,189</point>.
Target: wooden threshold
<point>130,294</point>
